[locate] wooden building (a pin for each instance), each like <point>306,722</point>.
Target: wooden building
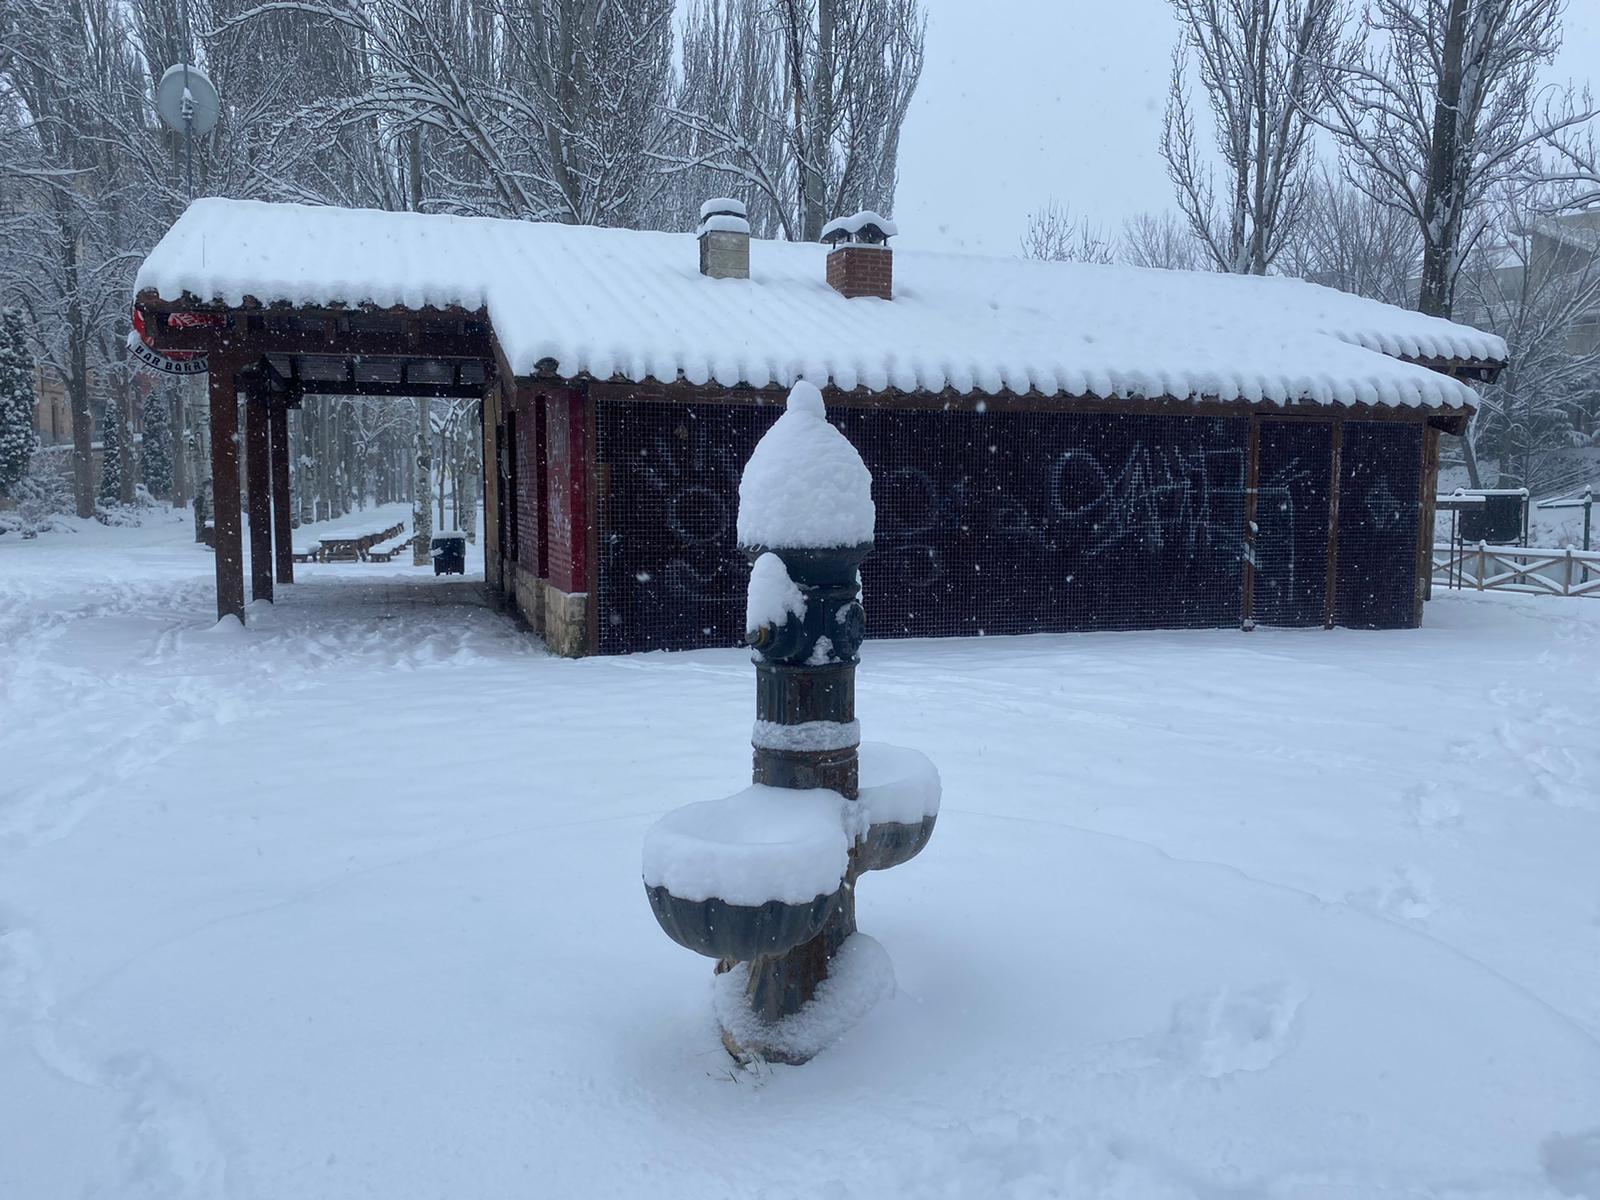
<point>1055,446</point>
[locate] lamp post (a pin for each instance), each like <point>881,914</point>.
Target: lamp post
<point>764,880</point>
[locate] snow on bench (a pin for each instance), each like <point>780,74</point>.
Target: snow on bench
<point>387,550</point>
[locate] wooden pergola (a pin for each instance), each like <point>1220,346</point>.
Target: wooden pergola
<point>269,357</point>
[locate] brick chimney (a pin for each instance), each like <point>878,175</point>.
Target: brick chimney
<point>861,263</point>
<point>724,239</point>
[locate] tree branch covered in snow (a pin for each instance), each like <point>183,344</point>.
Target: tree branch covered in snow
<point>1442,106</point>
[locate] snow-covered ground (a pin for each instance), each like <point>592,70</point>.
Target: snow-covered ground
<point>347,904</point>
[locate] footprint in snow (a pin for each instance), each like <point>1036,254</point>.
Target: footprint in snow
<point>1408,895</point>
<point>1572,1163</point>
<point>1234,1029</point>
<point>1432,808</point>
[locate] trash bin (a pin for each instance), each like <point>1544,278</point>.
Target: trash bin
<point>450,552</point>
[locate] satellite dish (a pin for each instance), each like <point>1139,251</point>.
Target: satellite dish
<point>187,100</point>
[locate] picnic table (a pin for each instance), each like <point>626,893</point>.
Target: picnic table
<point>350,540</point>
<point>340,545</point>
<point>385,551</point>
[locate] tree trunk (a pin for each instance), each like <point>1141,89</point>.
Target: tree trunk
<point>1469,455</point>
<point>125,435</point>
<point>324,459</point>
<point>1441,205</point>
<point>77,380</point>
<point>816,143</point>
<point>474,477</point>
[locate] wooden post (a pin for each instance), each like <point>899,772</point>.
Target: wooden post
<point>493,564</point>
<point>1430,494</point>
<point>1252,488</point>
<point>596,485</point>
<point>282,510</point>
<point>1331,603</point>
<point>259,492</point>
<point>226,540</point>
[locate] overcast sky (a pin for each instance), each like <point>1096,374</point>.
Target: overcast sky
<point>1022,100</point>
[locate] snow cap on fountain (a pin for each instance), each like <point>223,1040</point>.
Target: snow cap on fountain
<point>805,487</point>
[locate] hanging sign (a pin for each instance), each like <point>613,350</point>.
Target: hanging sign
<point>172,362</point>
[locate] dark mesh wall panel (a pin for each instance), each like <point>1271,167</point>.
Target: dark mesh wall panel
<point>1296,477</point>
<point>993,522</point>
<point>1380,482</point>
<point>670,577</point>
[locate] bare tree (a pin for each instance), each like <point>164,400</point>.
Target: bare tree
<point>1354,243</point>
<point>1575,166</point>
<point>1159,240</point>
<point>1055,235</point>
<point>68,74</point>
<point>1441,107</point>
<point>1535,280</point>
<point>543,109</point>
<point>811,127</point>
<point>1262,64</point>
<point>730,123</point>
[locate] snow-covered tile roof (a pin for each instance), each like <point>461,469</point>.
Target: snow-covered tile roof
<point>619,303</point>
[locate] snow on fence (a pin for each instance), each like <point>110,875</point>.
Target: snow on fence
<point>1536,570</point>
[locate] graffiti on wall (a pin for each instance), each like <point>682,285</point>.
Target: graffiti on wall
<point>987,522</point>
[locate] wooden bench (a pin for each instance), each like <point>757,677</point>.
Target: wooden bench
<point>309,553</point>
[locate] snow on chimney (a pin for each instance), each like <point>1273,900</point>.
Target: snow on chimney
<point>861,263</point>
<point>724,239</point>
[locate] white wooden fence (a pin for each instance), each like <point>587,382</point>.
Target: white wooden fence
<point>1536,570</point>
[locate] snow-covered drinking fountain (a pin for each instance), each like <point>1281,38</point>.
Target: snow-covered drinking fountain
<point>764,880</point>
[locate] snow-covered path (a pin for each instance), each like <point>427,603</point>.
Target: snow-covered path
<point>347,904</point>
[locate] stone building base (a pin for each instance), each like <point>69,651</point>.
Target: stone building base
<point>528,595</point>
<point>561,618</point>
<point>565,622</point>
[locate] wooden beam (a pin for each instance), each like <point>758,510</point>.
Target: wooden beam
<point>322,337</point>
<point>258,487</point>
<point>226,539</point>
<point>1251,487</point>
<point>456,391</point>
<point>592,482</point>
<point>493,535</point>
<point>1331,601</point>
<point>1430,499</point>
<point>282,525</point>
<point>952,401</point>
